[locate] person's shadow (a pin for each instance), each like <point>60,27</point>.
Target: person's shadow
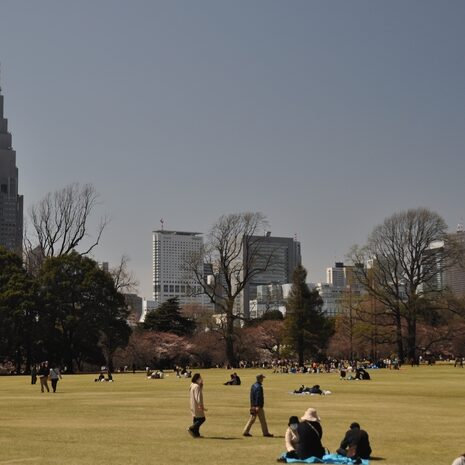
<point>377,459</point>
<point>221,438</point>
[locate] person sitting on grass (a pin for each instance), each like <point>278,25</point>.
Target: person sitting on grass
<point>459,460</point>
<point>310,433</point>
<point>356,443</point>
<point>291,438</point>
<point>234,381</point>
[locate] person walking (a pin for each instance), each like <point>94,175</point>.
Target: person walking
<point>55,375</point>
<point>197,406</point>
<point>43,373</point>
<point>257,402</point>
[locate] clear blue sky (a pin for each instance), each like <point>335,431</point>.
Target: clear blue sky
<point>327,116</point>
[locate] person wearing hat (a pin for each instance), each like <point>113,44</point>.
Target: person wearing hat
<point>459,460</point>
<point>257,402</point>
<point>310,433</point>
<point>356,443</point>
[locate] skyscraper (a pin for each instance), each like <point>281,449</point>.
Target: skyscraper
<point>11,204</point>
<point>278,257</point>
<point>171,250</point>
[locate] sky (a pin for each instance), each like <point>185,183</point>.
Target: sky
<point>326,116</point>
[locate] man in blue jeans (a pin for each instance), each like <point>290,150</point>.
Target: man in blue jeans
<point>257,402</point>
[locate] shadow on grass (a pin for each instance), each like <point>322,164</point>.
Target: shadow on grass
<point>221,438</point>
<point>377,459</point>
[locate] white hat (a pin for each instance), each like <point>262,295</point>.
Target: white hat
<point>311,415</point>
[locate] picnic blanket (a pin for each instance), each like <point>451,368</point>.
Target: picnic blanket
<point>328,458</point>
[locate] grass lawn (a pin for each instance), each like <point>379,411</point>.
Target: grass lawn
<point>413,416</point>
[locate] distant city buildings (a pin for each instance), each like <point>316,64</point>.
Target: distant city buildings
<point>278,257</point>
<point>11,204</point>
<point>171,278</point>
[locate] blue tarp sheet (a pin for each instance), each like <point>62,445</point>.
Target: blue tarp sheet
<point>328,458</point>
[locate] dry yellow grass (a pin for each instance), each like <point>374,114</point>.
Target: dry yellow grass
<point>414,416</point>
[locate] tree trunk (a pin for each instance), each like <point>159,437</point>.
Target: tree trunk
<point>229,337</point>
<point>411,338</point>
<point>399,341</point>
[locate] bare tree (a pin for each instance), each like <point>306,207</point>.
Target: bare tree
<point>60,221</point>
<point>236,255</point>
<point>406,256</point>
<point>124,279</point>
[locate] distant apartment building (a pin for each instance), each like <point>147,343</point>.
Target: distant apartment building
<point>171,278</point>
<point>278,257</point>
<point>11,204</point>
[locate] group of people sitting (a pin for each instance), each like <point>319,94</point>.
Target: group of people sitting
<point>155,374</point>
<point>316,389</point>
<point>360,373</point>
<point>101,378</point>
<point>234,381</point>
<point>304,439</point>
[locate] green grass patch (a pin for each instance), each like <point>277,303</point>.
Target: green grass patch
<point>413,416</point>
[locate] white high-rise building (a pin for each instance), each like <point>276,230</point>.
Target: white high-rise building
<point>171,251</point>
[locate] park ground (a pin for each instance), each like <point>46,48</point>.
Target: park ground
<point>414,416</point>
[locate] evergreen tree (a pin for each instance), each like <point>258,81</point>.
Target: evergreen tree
<point>168,319</point>
<point>306,328</point>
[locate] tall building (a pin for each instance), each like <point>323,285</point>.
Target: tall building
<point>277,256</point>
<point>454,276</point>
<point>11,204</point>
<point>171,250</point>
<point>336,275</point>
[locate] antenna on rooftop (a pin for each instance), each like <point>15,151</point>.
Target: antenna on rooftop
<point>161,222</point>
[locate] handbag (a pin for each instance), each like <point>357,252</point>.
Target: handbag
<point>352,451</point>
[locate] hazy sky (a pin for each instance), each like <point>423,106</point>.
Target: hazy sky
<point>327,116</point>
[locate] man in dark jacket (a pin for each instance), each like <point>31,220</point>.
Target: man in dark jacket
<point>356,437</point>
<point>257,402</point>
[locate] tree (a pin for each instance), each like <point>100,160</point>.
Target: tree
<point>17,310</point>
<point>60,222</point>
<point>306,328</point>
<point>168,319</point>
<point>82,317</point>
<point>124,279</point>
<point>236,255</point>
<point>406,260</point>
<point>154,349</point>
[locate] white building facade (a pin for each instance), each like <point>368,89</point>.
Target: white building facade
<point>171,252</point>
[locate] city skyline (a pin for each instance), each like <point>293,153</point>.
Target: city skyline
<point>326,117</point>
